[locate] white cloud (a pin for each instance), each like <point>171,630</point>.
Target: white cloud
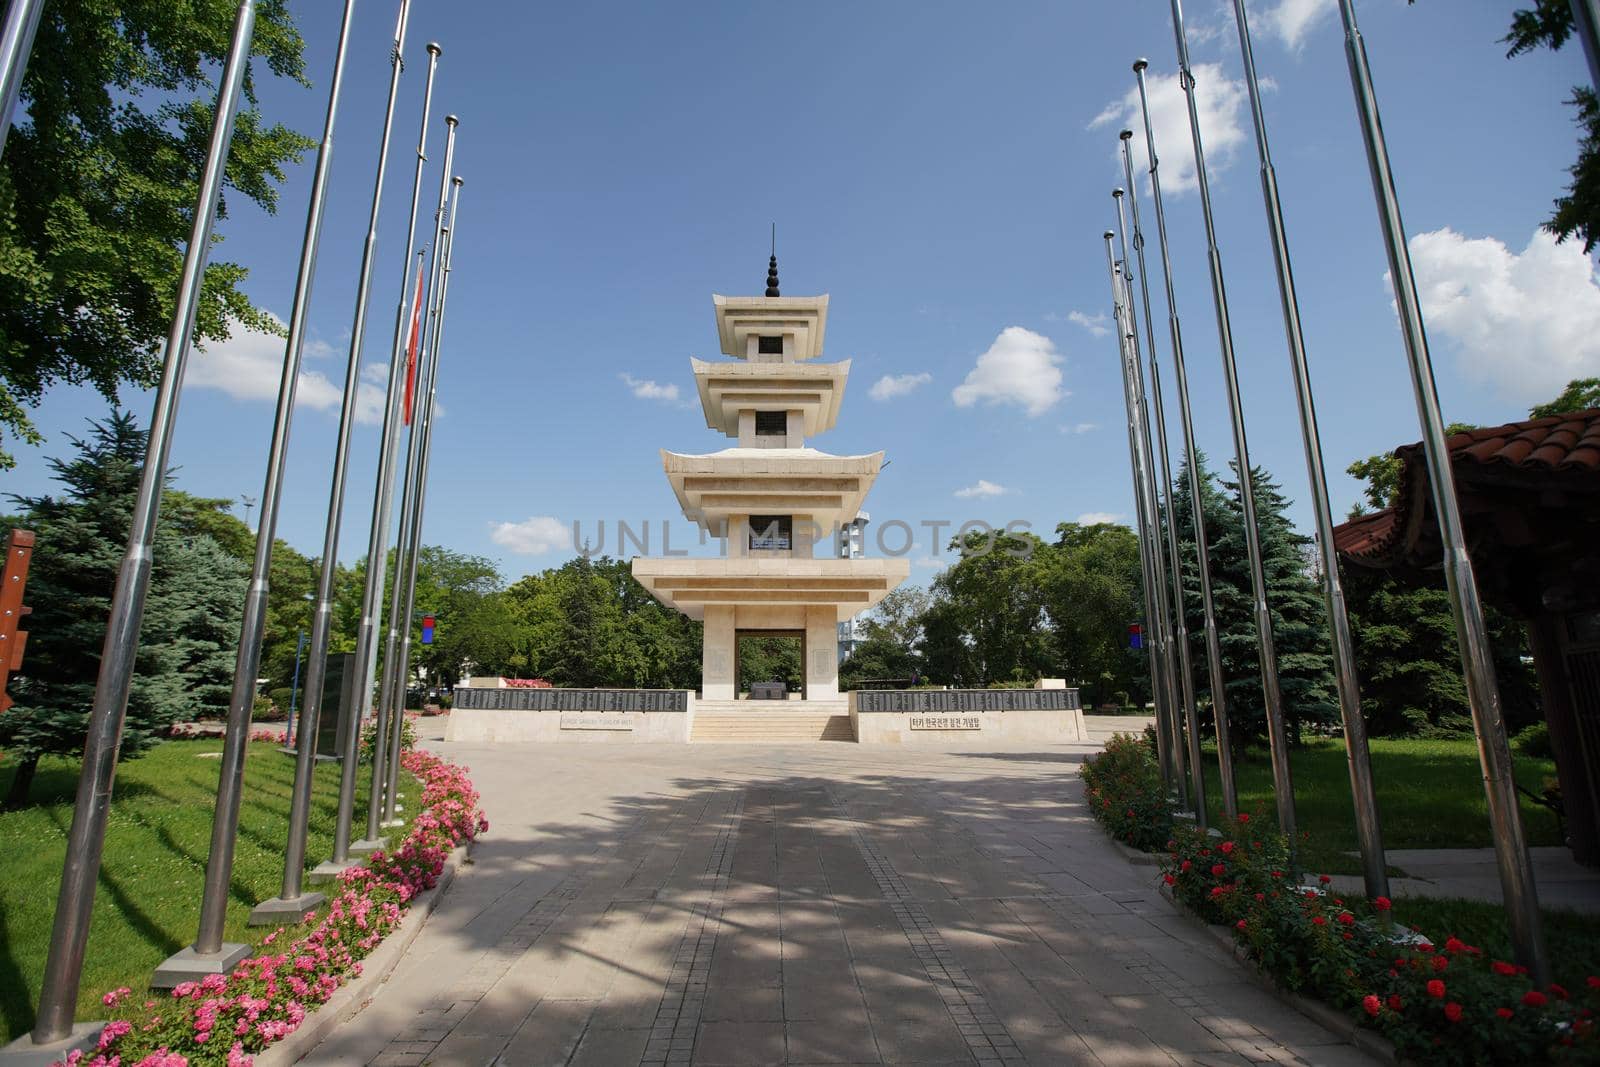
<point>1096,518</point>
<point>1097,325</point>
<point>983,490</point>
<point>1021,367</point>
<point>1221,102</point>
<point>1523,323</point>
<point>1081,427</point>
<point>249,365</point>
<point>892,385</point>
<point>1292,20</point>
<point>646,389</point>
<point>532,536</point>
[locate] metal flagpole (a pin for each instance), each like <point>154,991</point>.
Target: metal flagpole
<point>1175,557</point>
<point>1219,696</point>
<point>1368,827</point>
<point>391,688</point>
<point>1158,562</point>
<point>378,538</point>
<point>69,935</point>
<point>1586,26</point>
<point>1272,693</point>
<point>414,541</point>
<point>1147,564</point>
<point>16,45</point>
<point>1477,661</point>
<point>322,618</point>
<point>209,954</point>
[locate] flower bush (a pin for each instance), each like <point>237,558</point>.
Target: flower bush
<point>1125,792</point>
<point>225,1019</point>
<point>1438,1004</point>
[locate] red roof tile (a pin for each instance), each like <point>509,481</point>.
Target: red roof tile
<point>1556,450</point>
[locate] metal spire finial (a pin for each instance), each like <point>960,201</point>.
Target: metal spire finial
<point>772,265</point>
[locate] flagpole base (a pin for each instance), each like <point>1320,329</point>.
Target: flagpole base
<point>22,1052</point>
<point>187,965</point>
<point>281,912</point>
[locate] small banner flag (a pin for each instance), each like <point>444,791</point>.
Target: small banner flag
<point>427,629</point>
<point>1135,635</point>
<point>411,345</point>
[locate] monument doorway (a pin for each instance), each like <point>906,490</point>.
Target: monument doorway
<point>761,657</point>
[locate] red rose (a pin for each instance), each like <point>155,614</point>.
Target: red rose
<point>1593,982</point>
<point>1504,1013</point>
<point>1243,817</point>
<point>1425,946</point>
<point>1501,967</point>
<point>1261,897</point>
<point>1227,848</point>
<point>1277,874</point>
<point>1346,918</point>
<point>1441,962</point>
<point>1452,1011</point>
<point>1218,869</point>
<point>1535,999</point>
<point>1372,1004</point>
<point>1319,920</point>
<point>1383,904</point>
<point>1559,992</point>
<point>1185,865</point>
<point>1455,945</point>
<point>1239,925</point>
<point>1324,879</point>
<point>1436,989</point>
<point>1167,878</point>
<point>1395,1003</point>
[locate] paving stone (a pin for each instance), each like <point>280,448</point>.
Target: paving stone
<point>740,1043</point>
<point>662,905</point>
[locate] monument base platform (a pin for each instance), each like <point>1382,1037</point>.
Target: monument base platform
<point>967,716</point>
<point>676,716</point>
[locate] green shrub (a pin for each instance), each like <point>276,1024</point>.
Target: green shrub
<point>369,732</point>
<point>1126,793</point>
<point>266,710</point>
<point>1534,741</point>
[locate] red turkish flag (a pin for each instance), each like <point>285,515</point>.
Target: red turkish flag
<point>411,346</point>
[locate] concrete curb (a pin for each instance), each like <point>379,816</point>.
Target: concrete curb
<point>375,970</point>
<point>1133,855</point>
<point>1329,1018</point>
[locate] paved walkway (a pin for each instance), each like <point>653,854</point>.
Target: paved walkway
<point>821,903</point>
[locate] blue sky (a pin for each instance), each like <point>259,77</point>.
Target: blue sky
<point>939,170</point>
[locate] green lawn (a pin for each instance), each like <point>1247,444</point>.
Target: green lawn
<point>1430,795</point>
<point>148,900</point>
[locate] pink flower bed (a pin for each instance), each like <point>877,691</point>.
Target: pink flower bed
<point>225,1019</point>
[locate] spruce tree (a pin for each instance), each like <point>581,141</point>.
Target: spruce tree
<point>1298,620</point>
<point>82,535</point>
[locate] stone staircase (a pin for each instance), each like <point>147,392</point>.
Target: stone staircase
<point>771,722</point>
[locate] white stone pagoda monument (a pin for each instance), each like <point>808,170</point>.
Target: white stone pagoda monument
<point>770,498</point>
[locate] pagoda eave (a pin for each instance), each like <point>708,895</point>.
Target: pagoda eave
<point>712,488</point>
<point>848,586</point>
<point>814,389</point>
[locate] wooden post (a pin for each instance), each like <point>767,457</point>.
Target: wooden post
<point>19,553</point>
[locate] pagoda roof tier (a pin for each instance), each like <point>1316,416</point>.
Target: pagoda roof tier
<point>739,318</point>
<point>850,586</point>
<point>814,389</point>
<point>770,481</point>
